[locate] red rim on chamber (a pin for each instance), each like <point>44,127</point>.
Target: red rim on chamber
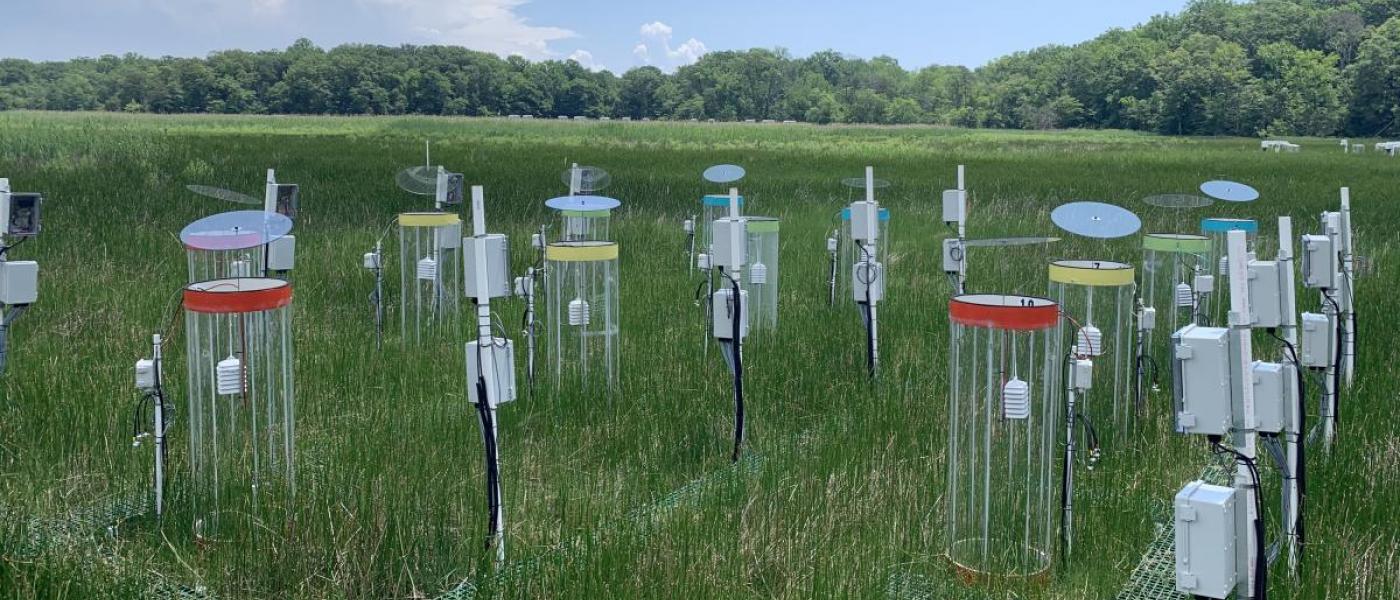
<point>225,296</point>
<point>995,311</point>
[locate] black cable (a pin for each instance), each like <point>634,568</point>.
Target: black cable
<point>493,499</point>
<point>1302,409</point>
<point>868,280</point>
<point>5,249</point>
<point>1261,560</point>
<point>1337,361</point>
<point>736,321</point>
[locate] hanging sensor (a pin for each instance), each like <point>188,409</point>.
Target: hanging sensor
<point>1201,370</point>
<point>723,313</point>
<point>758,274</point>
<point>1089,341</point>
<point>1185,298</point>
<point>497,261</point>
<point>497,363</point>
<point>1016,399</point>
<point>952,256</point>
<point>1081,374</point>
<point>579,313</point>
<point>228,376</point>
<point>1265,294</point>
<point>1205,540</point>
<point>20,215</point>
<point>1319,262</point>
<point>427,268</point>
<point>1316,346</point>
<point>954,206</point>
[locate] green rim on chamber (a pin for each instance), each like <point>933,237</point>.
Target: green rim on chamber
<point>762,225</point>
<point>1176,242</point>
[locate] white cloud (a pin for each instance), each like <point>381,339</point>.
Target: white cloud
<point>486,25</point>
<point>658,35</point>
<point>585,59</point>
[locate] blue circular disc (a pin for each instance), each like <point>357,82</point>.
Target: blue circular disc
<point>235,230</point>
<point>582,203</point>
<point>724,173</point>
<point>1096,220</point>
<point>1229,191</point>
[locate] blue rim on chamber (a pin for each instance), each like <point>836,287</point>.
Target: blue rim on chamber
<point>846,214</point>
<point>1217,225</point>
<point>719,200</point>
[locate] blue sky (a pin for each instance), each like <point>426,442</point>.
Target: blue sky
<point>616,35</point>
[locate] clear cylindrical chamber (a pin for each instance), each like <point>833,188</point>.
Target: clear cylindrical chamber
<point>855,253</point>
<point>242,408</point>
<point>207,265</point>
<point>1170,263</point>
<point>1218,230</point>
<point>584,225</point>
<point>583,341</point>
<point>1003,485</point>
<point>761,272</point>
<point>430,276</point>
<point>1097,299</point>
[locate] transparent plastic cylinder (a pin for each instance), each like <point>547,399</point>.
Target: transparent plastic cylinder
<point>1003,488</point>
<point>241,417</point>
<point>1096,298</point>
<point>208,265</point>
<point>584,225</point>
<point>1170,263</point>
<point>855,254</point>
<point>1218,230</point>
<point>430,277</point>
<point>583,335</point>
<point>712,207</point>
<point>761,273</point>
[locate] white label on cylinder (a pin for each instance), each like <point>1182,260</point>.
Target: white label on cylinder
<point>758,274</point>
<point>228,376</point>
<point>427,268</point>
<point>1184,297</point>
<point>578,312</point>
<point>1089,342</point>
<point>1016,399</point>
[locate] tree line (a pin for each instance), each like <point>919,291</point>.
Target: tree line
<point>1267,67</point>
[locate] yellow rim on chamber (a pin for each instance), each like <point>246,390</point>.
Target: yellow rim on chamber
<point>428,219</point>
<point>1091,273</point>
<point>1176,242</point>
<point>581,251</point>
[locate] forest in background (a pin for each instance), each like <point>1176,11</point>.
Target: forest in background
<point>1266,67</point>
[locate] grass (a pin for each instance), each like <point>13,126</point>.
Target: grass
<point>848,494</point>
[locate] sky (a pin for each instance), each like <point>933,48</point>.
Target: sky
<point>616,35</point>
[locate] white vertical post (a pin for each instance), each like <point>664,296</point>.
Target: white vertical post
<point>575,180</point>
<point>1242,384</point>
<point>962,232</point>
<point>1348,291</point>
<point>484,345</point>
<point>270,192</point>
<point>159,426</point>
<point>736,242</point>
<point>1293,430</point>
<point>1331,227</point>
<point>960,179</point>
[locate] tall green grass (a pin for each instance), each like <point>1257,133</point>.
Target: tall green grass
<point>848,493</point>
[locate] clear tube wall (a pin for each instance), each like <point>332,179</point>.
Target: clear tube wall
<point>430,277</point>
<point>1003,485</point>
<point>761,272</point>
<point>1096,298</point>
<point>583,340</point>
<point>242,408</point>
<point>1170,263</point>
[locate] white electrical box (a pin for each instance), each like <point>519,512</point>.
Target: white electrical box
<point>1205,540</point>
<point>952,255</point>
<point>1317,351</point>
<point>702,262</point>
<point>1319,262</point>
<point>728,236</point>
<point>1265,294</point>
<point>498,362</point>
<point>282,253</point>
<point>1081,374</point>
<point>373,260</point>
<point>497,265</point>
<point>19,282</point>
<point>1201,369</point>
<point>146,378</point>
<point>1273,396</point>
<point>1204,284</point>
<point>865,221</point>
<point>954,206</point>
<point>1147,318</point>
<point>868,282</point>
<point>723,312</point>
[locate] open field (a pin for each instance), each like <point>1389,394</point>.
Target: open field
<point>843,493</point>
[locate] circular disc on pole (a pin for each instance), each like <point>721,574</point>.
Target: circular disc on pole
<point>420,180</point>
<point>590,179</point>
<point>1179,201</point>
<point>1229,191</point>
<point>235,230</point>
<point>859,183</point>
<point>582,203</point>
<point>1096,220</point>
<point>723,173</point>
<point>1009,241</point>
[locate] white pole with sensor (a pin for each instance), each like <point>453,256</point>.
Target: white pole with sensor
<point>730,303</point>
<point>954,252</point>
<point>867,274</point>
<point>1288,326</point>
<point>19,279</point>
<point>1243,437</point>
<point>1347,285</point>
